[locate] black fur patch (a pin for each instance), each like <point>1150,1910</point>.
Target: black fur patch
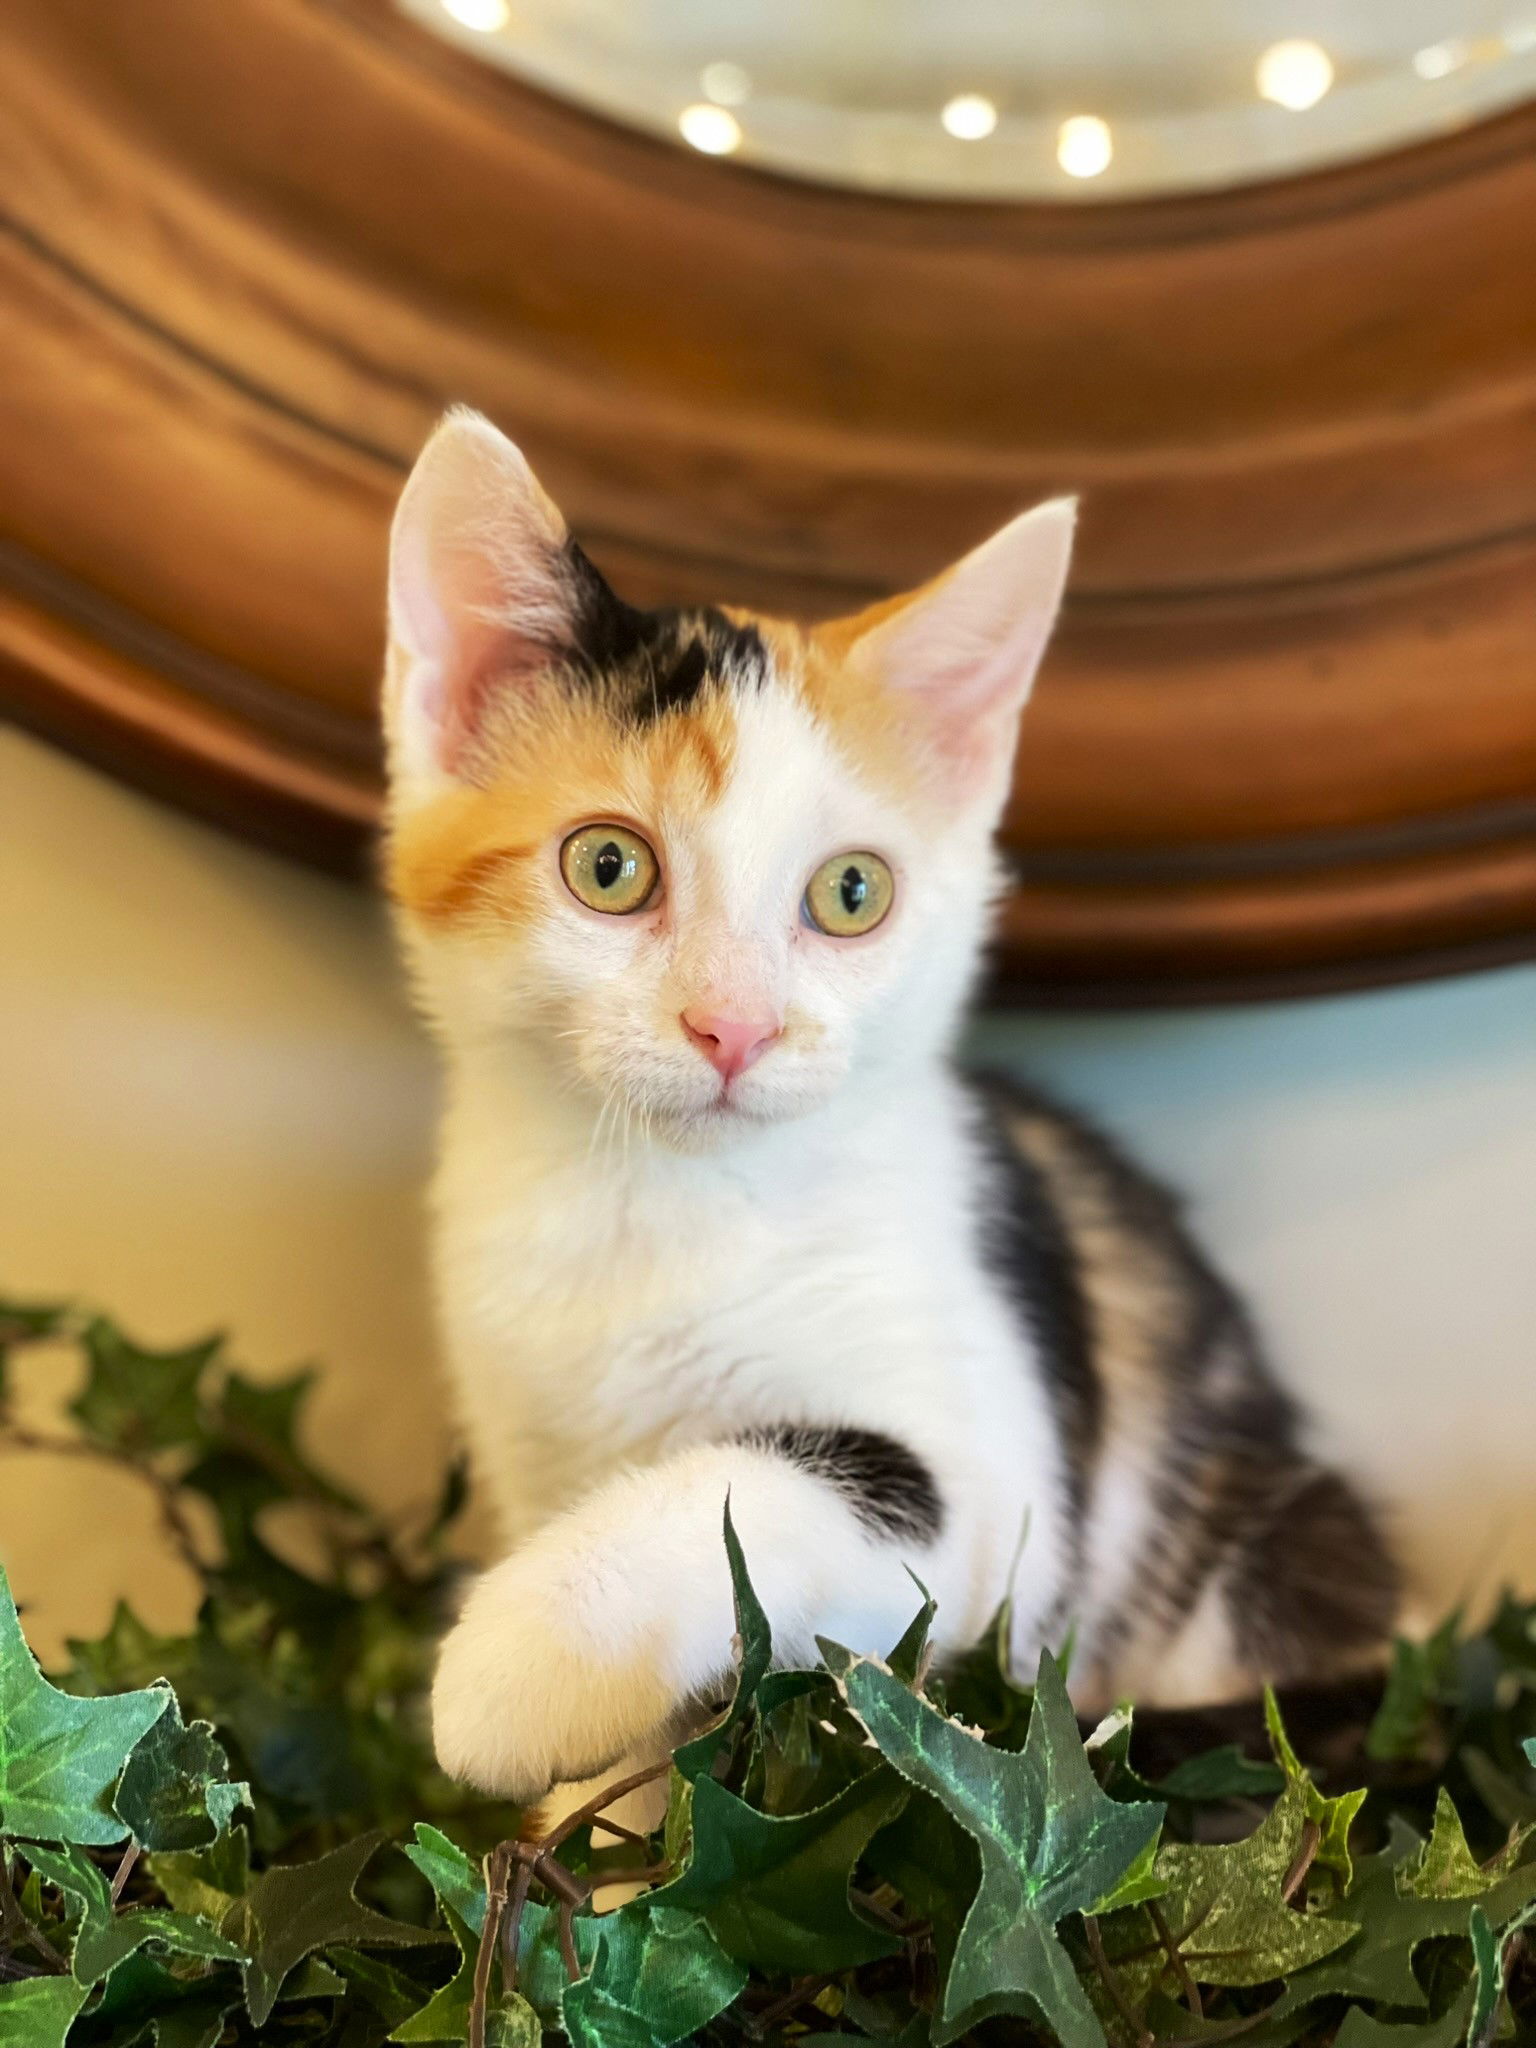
<point>647,663</point>
<point>1235,1501</point>
<point>887,1486</point>
<point>1027,1247</point>
<point>1311,1587</point>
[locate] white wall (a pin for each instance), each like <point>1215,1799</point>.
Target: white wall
<point>214,1109</point>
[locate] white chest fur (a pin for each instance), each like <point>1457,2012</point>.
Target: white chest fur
<point>606,1303</point>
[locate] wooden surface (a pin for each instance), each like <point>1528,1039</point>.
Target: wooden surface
<point>1287,737</point>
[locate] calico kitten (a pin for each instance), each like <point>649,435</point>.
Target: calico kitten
<point>693,901</point>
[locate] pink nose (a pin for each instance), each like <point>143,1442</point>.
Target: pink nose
<point>730,1044</point>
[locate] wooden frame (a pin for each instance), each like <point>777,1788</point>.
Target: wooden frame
<point>1287,737</point>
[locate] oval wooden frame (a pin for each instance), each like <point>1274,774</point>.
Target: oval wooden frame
<point>1286,738</point>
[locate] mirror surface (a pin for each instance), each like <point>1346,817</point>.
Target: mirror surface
<point>1015,99</point>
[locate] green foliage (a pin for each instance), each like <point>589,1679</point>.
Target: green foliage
<point>198,1833</point>
<point>61,1757</point>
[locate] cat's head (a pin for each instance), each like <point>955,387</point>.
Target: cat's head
<point>708,867</point>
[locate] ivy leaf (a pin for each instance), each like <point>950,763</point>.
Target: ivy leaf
<point>1447,1869</point>
<point>754,1652</point>
<point>127,1655</point>
<point>296,1908</point>
<point>775,1891</point>
<point>658,1977</point>
<point>1392,1924</point>
<point>1421,1676</point>
<point>143,2001</point>
<point>37,2012</point>
<point>393,1995</point>
<point>1139,1884</point>
<point>21,1323</point>
<point>1226,1904</point>
<point>910,1654</point>
<point>206,1881</point>
<point>251,1460</point>
<point>981,1690</point>
<point>1109,1750</point>
<point>457,1884</point>
<point>136,1400</point>
<point>261,1417</point>
<point>1333,1818</point>
<point>1220,1774</point>
<point>29,1322</point>
<point>107,1937</point>
<point>1051,1843</point>
<point>176,1791</point>
<point>1359,2030</point>
<point>1488,1953</point>
<point>61,1756</point>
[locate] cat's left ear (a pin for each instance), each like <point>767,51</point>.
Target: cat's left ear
<point>486,594</point>
<point>962,651</point>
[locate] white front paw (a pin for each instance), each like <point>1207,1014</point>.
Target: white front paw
<point>528,1694</point>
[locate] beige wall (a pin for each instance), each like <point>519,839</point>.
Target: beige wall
<point>215,1110</point>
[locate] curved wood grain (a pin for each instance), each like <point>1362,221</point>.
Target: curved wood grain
<point>1288,732</point>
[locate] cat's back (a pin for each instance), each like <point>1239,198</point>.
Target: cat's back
<point>1196,1505</point>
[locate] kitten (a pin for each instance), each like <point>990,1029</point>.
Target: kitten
<point>692,902</point>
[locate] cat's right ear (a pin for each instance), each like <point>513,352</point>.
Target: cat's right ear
<point>481,598</point>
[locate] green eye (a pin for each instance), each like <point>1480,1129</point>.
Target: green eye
<point>849,895</point>
<point>610,868</point>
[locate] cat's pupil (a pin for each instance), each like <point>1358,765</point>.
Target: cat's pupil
<point>853,888</point>
<point>608,865</point>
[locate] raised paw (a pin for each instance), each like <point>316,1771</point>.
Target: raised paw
<point>534,1688</point>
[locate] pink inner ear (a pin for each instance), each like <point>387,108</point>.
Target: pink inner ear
<point>477,602</point>
<point>964,651</point>
<point>472,643</point>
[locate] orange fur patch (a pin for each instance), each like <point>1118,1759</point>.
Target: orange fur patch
<point>881,732</point>
<point>474,851</point>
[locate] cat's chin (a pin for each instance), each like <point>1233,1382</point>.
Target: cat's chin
<point>719,1121</point>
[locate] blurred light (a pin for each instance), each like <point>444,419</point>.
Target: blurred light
<point>1084,146</point>
<point>709,128</point>
<point>1520,37</point>
<point>1294,74</point>
<point>728,85</point>
<point>485,15</point>
<point>969,117</point>
<point>1439,60</point>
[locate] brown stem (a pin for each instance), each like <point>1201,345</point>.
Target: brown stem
<point>537,1859</point>
<point>1135,2025</point>
<point>1306,1854</point>
<point>568,1940</point>
<point>650,1873</point>
<point>498,1867</point>
<point>1175,1954</point>
<point>13,1920</point>
<point>595,1805</point>
<point>807,1988</point>
<point>514,1923</point>
<point>124,1870</point>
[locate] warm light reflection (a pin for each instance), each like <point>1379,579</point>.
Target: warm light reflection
<point>1294,74</point>
<point>1439,60</point>
<point>727,84</point>
<point>709,128</point>
<point>969,117</point>
<point>1084,146</point>
<point>485,15</point>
